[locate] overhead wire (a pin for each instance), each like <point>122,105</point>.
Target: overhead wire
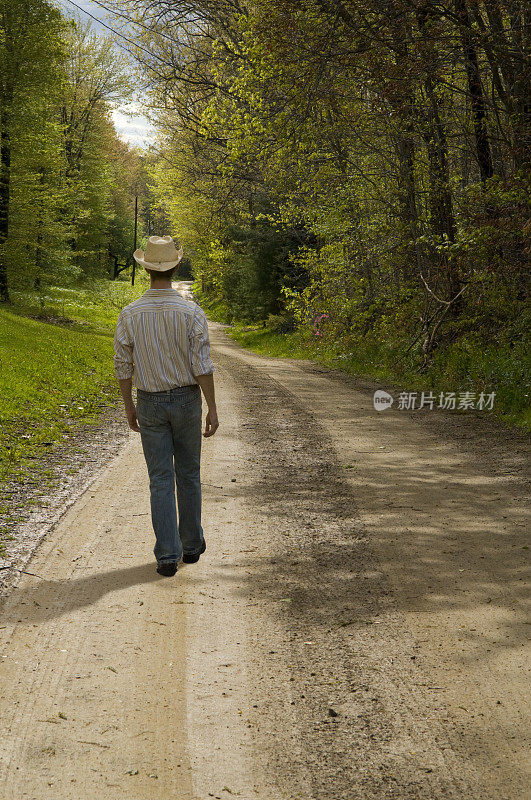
<point>127,39</point>
<point>117,33</point>
<point>140,24</point>
<point>121,35</point>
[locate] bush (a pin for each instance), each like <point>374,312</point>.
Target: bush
<point>281,323</point>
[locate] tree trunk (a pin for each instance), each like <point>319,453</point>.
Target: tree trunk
<point>477,98</point>
<point>5,178</point>
<point>37,283</point>
<point>513,59</point>
<point>408,203</point>
<point>441,202</point>
<point>442,219</point>
<point>406,151</point>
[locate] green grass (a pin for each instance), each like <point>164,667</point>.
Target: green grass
<point>95,306</point>
<point>267,343</point>
<point>56,370</point>
<point>466,366</point>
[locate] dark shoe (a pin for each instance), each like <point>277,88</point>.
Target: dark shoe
<point>192,558</point>
<point>167,568</point>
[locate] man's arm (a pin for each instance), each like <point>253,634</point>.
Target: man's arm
<point>202,367</point>
<point>126,386</point>
<point>206,382</point>
<point>123,369</point>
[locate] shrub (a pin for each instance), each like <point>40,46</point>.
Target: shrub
<point>281,323</point>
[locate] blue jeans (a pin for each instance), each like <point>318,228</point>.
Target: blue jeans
<point>170,429</point>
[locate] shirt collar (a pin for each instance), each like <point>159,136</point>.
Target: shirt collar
<point>158,292</point>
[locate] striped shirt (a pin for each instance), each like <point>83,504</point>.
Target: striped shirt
<point>161,341</point>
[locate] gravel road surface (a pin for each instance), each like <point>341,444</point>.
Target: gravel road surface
<point>356,629</point>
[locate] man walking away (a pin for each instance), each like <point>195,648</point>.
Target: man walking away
<point>161,345</point>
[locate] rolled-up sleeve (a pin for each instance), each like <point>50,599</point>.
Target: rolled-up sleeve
<point>200,345</point>
<point>123,351</point>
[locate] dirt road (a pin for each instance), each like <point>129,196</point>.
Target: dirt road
<point>355,630</point>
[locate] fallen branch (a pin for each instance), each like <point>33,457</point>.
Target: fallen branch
<point>23,571</point>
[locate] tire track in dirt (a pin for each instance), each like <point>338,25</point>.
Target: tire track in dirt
<point>82,703</point>
<point>330,595</point>
<point>290,662</point>
<point>458,722</point>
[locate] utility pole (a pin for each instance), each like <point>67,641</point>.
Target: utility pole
<point>134,245</point>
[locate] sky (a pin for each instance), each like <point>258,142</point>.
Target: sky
<point>131,125</point>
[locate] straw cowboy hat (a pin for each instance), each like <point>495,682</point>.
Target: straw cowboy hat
<point>161,254</point>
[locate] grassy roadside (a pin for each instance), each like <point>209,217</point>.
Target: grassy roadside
<point>56,370</point>
<point>466,366</point>
<point>473,370</point>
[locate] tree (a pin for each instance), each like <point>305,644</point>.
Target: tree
<point>388,137</point>
<point>96,77</point>
<point>31,56</point>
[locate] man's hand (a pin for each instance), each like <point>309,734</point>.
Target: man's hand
<point>211,423</point>
<point>206,382</point>
<point>126,387</point>
<point>131,418</point>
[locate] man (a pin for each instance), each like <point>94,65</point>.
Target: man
<point>161,345</point>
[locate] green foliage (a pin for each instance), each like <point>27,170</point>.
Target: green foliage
<point>463,366</point>
<point>56,366</point>
<point>281,323</point>
<point>95,304</point>
<point>239,259</point>
<point>32,61</point>
<point>70,181</point>
<point>268,342</point>
<point>100,171</point>
<point>339,164</point>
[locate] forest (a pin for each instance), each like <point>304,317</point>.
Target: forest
<point>350,179</point>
